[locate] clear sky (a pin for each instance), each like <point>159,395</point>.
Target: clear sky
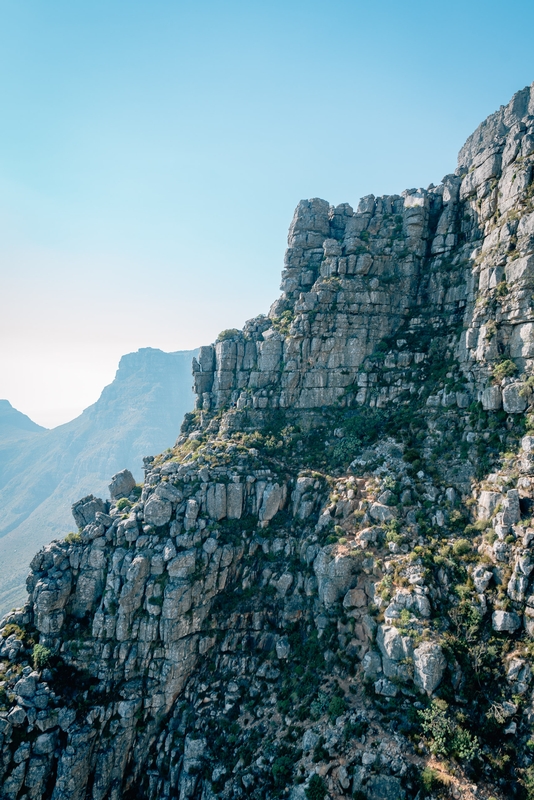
<point>152,154</point>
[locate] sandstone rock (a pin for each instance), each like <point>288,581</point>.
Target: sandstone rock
<point>121,484</point>
<point>371,665</point>
<point>381,513</point>
<point>158,512</point>
<point>481,578</point>
<point>487,503</point>
<point>514,398</point>
<point>429,666</point>
<point>505,621</point>
<point>335,574</point>
<point>491,398</point>
<point>17,716</point>
<point>86,509</point>
<point>384,687</point>
<point>385,787</point>
<point>309,740</point>
<point>355,598</point>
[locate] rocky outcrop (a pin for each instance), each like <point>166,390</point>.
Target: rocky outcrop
<point>328,578</point>
<point>43,472</point>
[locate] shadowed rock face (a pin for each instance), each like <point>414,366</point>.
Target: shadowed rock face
<point>335,539</point>
<point>42,472</point>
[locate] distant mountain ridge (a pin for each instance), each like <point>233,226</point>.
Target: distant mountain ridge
<point>42,472</point>
<point>11,419</point>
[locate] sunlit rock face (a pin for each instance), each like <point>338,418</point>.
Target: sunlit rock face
<point>333,563</point>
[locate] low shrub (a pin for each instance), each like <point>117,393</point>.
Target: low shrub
<point>316,789</point>
<point>41,656</point>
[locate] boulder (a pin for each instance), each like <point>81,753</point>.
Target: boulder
<point>491,398</point>
<point>371,665</point>
<point>481,578</point>
<point>515,398</point>
<point>429,666</point>
<point>273,497</point>
<point>384,787</point>
<point>381,513</point>
<point>121,484</point>
<point>511,513</point>
<point>158,511</point>
<point>505,621</point>
<point>309,740</point>
<point>335,575</point>
<point>85,510</point>
<point>216,501</point>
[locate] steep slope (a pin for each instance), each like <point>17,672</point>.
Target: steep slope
<point>43,472</point>
<point>324,588</point>
<point>16,429</point>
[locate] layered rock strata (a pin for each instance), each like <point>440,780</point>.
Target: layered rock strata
<point>325,587</point>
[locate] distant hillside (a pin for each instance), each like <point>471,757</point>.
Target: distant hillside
<point>42,472</point>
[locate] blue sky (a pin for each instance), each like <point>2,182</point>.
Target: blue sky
<point>152,154</point>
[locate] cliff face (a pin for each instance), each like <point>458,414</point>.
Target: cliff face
<point>42,472</point>
<point>325,587</point>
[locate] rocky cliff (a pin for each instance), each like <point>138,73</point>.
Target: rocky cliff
<point>42,472</point>
<point>324,588</point>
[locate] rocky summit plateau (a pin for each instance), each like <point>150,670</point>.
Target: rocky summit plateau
<point>324,589</point>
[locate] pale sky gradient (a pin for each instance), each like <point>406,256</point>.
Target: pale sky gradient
<point>152,154</point>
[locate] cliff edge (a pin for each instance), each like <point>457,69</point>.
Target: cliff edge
<point>324,589</point>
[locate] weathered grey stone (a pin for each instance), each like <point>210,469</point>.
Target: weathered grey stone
<point>514,398</point>
<point>491,398</point>
<point>45,744</point>
<point>158,512</point>
<point>511,513</point>
<point>371,665</point>
<point>309,740</point>
<point>385,787</point>
<point>481,578</point>
<point>505,621</point>
<point>85,510</point>
<point>355,598</point>
<point>216,501</point>
<point>335,573</point>
<point>17,716</point>
<point>381,513</point>
<point>26,687</point>
<point>272,501</point>
<point>487,503</point>
<point>384,687</point>
<point>429,666</point>
<point>121,484</point>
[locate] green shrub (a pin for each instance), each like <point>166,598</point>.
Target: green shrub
<point>281,770</point>
<point>446,737</point>
<point>316,788</point>
<point>12,628</point>
<point>73,538</point>
<point>429,779</point>
<point>336,707</point>
<point>461,547</point>
<point>505,369</point>
<point>123,504</point>
<point>41,656</point>
<point>228,333</point>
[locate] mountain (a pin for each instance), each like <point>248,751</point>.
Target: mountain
<point>324,589</point>
<point>42,472</point>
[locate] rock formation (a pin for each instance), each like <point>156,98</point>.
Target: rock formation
<point>325,587</point>
<point>42,472</point>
